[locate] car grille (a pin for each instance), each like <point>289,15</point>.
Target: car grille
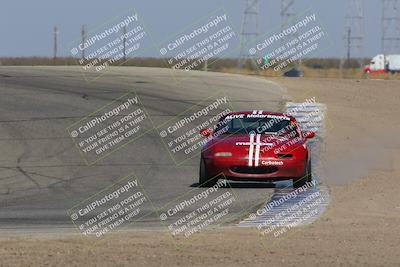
<point>285,156</point>
<point>254,170</point>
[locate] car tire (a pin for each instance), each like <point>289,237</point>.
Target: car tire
<point>305,178</point>
<point>205,180</point>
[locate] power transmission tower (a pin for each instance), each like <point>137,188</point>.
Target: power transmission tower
<point>55,39</point>
<point>288,14</point>
<point>288,18</point>
<point>390,42</point>
<point>353,35</point>
<point>83,37</point>
<point>250,31</point>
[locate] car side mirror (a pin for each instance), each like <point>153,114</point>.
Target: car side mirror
<point>205,132</point>
<point>308,134</point>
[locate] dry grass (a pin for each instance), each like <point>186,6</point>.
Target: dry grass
<point>326,67</point>
<point>318,73</point>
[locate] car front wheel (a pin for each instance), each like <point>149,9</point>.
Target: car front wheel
<point>306,177</point>
<point>205,180</point>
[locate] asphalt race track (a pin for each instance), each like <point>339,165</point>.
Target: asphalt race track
<point>42,174</point>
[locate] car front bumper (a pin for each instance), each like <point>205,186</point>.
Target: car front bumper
<point>268,169</point>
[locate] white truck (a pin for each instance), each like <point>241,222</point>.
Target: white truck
<point>384,64</point>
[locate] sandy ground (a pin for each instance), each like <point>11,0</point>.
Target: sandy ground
<point>360,228</point>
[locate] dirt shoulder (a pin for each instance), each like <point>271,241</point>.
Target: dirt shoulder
<point>360,227</point>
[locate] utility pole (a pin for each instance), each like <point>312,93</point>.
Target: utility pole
<point>124,40</point>
<point>390,40</point>
<point>83,39</point>
<point>205,65</point>
<point>353,34</point>
<point>348,44</point>
<point>55,40</point>
<point>250,30</point>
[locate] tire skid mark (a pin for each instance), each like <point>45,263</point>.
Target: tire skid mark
<point>25,174</point>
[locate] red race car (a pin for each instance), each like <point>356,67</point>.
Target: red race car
<point>255,146</point>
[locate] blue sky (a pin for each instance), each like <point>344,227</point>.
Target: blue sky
<point>26,26</point>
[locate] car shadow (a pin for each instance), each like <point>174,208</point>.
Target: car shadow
<point>251,185</point>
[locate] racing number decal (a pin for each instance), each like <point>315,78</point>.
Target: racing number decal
<point>259,112</point>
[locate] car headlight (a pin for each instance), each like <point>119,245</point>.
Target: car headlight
<point>223,154</point>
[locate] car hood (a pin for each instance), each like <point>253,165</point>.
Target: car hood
<point>242,142</point>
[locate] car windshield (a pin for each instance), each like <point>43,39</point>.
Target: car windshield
<point>259,124</point>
